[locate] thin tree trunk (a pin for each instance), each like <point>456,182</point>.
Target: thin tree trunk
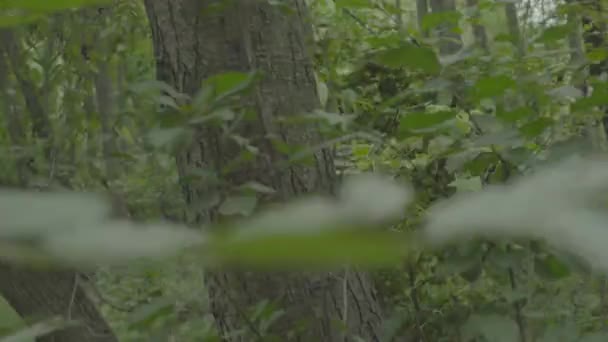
<point>104,91</point>
<point>192,43</point>
<point>514,28</point>
<point>450,42</point>
<point>575,41</point>
<point>422,8</point>
<point>105,94</point>
<point>41,125</point>
<point>479,32</point>
<point>14,125</point>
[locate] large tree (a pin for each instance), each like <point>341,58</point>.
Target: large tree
<point>193,42</point>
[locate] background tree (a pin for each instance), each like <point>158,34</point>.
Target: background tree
<point>255,36</point>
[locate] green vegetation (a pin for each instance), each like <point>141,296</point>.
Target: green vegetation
<point>258,170</point>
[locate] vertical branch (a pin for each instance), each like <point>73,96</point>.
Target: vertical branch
<point>14,124</point>
<point>517,308</point>
<point>105,105</point>
<point>449,41</point>
<point>575,42</point>
<point>104,91</point>
<point>479,32</point>
<point>411,272</point>
<point>514,30</point>
<point>422,8</point>
<point>399,16</point>
<point>41,125</point>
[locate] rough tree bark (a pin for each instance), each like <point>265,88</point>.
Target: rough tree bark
<point>192,43</point>
<point>45,294</point>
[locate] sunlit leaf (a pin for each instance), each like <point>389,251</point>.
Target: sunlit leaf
<point>421,120</point>
<point>322,250</point>
<point>555,33</point>
<point>352,3</point>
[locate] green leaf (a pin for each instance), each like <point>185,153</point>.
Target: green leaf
<point>515,115</point>
<point>535,128</point>
<point>229,83</point>
<point>433,20</point>
<point>421,120</point>
<point>324,250</point>
<point>15,20</point>
<point>412,57</point>
<point>555,33</point>
<point>47,6</point>
<point>506,137</point>
<point>599,97</point>
<point>551,268</point>
<point>352,3</point>
<point>10,321</point>
<point>493,86</point>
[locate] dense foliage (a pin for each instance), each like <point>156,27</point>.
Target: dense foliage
<point>488,119</point>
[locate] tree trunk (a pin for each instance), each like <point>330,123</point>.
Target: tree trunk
<point>479,31</point>
<point>422,8</point>
<point>45,294</point>
<point>594,37</point>
<point>192,43</point>
<point>450,41</point>
<point>104,91</point>
<point>514,30</point>
<point>41,124</point>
